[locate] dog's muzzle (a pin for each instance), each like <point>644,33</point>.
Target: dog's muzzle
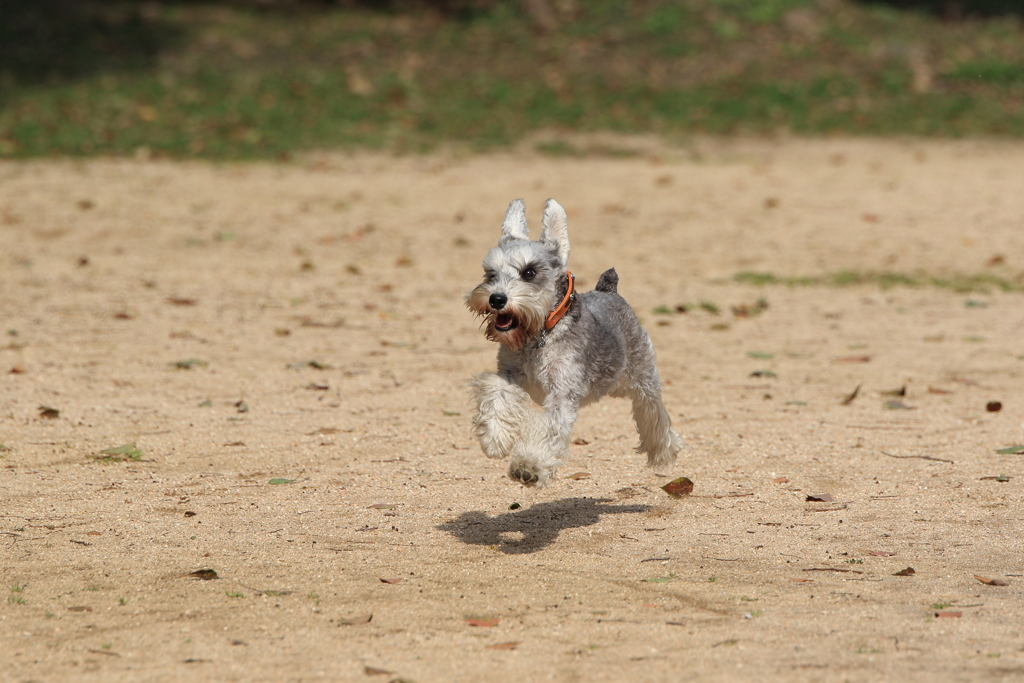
<point>505,322</point>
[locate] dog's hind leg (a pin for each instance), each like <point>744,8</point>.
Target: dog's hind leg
<point>657,438</point>
<point>501,412</point>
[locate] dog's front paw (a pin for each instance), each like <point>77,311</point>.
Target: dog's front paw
<point>528,475</point>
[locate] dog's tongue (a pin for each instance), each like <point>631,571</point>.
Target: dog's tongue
<point>502,321</point>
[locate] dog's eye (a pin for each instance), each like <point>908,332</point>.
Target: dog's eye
<point>529,274</point>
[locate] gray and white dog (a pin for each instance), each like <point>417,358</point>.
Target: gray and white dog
<point>559,348</point>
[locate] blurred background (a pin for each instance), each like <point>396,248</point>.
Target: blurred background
<point>243,79</point>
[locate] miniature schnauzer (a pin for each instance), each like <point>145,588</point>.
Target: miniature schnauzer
<point>559,348</point>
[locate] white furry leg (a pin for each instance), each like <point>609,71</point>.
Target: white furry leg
<point>501,412</point>
<point>543,443</point>
<point>538,452</point>
<point>657,438</point>
<point>537,442</point>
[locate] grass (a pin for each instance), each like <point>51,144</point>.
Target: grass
<point>236,81</point>
<point>128,451</point>
<point>964,283</point>
<point>16,597</point>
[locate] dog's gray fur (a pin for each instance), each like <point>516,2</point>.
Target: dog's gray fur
<point>597,349</point>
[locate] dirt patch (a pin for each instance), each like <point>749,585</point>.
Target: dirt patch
<point>275,358</point>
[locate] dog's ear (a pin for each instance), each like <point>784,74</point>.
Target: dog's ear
<point>556,229</point>
<point>514,227</point>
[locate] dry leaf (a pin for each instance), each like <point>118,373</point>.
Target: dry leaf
<point>483,623</point>
<point>937,390</point>
<point>948,615</point>
<point>780,480</point>
<point>374,671</point>
<point>504,646</point>
<point>909,571</point>
<point>392,580</point>
<point>677,488</point>
<point>820,498</point>
<point>203,574</point>
<point>181,301</point>
<point>579,475</point>
<point>853,394</point>
<point>580,442</point>
<point>49,412</point>
<point>355,621</point>
<point>991,582</point>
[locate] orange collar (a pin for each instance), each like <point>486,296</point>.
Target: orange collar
<point>561,309</point>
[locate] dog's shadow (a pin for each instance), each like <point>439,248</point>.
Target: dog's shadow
<point>532,529</point>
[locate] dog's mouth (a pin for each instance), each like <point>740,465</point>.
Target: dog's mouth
<point>505,322</point>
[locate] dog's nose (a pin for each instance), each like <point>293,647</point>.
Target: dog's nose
<point>497,301</point>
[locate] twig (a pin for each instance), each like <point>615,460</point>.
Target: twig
<point>831,509</point>
<point>722,495</point>
<point>657,559</point>
<point>922,457</point>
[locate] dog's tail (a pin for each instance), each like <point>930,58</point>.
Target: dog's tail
<point>608,282</point>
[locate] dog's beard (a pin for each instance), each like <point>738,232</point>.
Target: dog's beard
<point>512,326</point>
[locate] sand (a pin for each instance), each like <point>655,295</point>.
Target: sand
<point>244,325</point>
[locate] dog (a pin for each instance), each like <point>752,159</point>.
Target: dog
<point>560,348</point>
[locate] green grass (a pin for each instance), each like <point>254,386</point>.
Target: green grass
<point>128,451</point>
<point>16,597</point>
<point>232,81</point>
<point>978,282</point>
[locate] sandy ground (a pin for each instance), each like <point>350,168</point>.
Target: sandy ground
<point>316,306</point>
